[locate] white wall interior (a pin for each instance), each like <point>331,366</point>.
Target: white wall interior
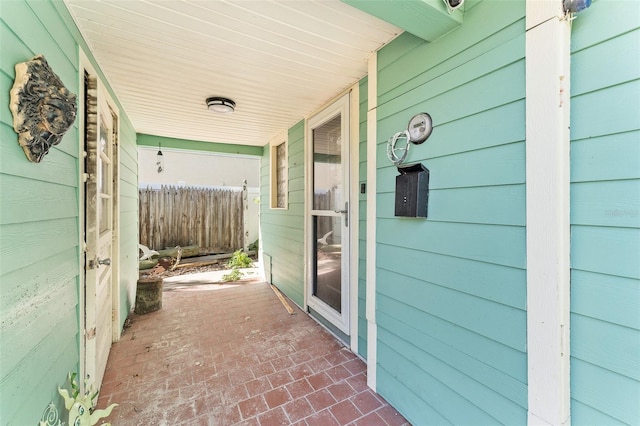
<point>203,170</point>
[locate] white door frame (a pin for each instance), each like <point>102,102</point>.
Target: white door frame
<point>85,359</point>
<point>347,105</point>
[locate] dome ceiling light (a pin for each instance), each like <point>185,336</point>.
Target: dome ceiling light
<point>220,105</point>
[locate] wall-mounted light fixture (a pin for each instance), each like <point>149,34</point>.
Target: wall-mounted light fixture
<point>221,105</point>
<point>160,159</point>
<point>452,5</point>
<point>575,6</point>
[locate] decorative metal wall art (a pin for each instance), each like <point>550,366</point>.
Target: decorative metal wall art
<point>43,108</point>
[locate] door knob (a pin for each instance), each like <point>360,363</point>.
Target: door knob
<point>106,261</point>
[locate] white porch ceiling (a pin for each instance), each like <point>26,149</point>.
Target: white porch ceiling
<point>279,60</point>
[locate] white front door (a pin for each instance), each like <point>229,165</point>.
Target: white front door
<point>328,252</point>
<point>100,140</point>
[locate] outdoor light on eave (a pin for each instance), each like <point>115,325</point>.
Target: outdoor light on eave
<point>221,105</point>
<point>160,159</point>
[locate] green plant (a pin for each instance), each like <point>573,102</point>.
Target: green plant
<point>254,246</point>
<point>234,275</point>
<point>240,259</point>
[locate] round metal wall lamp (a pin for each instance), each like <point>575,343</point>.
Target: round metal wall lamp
<point>221,105</point>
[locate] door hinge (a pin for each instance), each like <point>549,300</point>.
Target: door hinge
<point>90,334</point>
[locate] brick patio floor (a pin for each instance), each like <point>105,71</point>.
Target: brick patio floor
<point>231,354</point>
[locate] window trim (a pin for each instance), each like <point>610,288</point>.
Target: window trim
<point>273,172</point>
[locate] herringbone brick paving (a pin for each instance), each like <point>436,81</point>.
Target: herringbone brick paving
<point>232,355</point>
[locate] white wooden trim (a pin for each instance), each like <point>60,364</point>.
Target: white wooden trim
<point>354,213</point>
<point>341,320</point>
<point>116,331</point>
<point>84,64</point>
<point>547,196</point>
<point>283,137</point>
<point>308,203</point>
<point>372,330</point>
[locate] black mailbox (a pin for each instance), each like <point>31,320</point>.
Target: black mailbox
<point>412,190</point>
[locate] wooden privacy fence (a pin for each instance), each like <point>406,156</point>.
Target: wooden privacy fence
<point>209,218</point>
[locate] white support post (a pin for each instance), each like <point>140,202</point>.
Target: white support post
<point>245,216</point>
<point>372,329</point>
<point>354,213</point>
<point>547,195</point>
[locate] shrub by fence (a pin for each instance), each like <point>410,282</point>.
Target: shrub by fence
<point>209,218</point>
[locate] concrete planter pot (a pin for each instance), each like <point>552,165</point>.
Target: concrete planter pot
<point>148,295</point>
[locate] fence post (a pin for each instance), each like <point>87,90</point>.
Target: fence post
<point>245,216</point>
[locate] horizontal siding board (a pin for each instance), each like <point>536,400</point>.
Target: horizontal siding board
<point>36,39</point>
<point>500,245</point>
<point>282,230</point>
<point>501,165</point>
<point>6,119</point>
<point>39,40</point>
<point>489,92</point>
<point>592,340</point>
<point>30,321</point>
<point>605,215</point>
<point>497,322</point>
<point>604,112</point>
<point>612,17</point>
<point>606,297</point>
<point>499,205</point>
<point>610,251</point>
<point>20,288</point>
<point>475,132</point>
<point>582,414</point>
<point>501,357</point>
<point>608,203</point>
<point>57,167</point>
<point>405,400</point>
<point>592,158</point>
<point>440,360</point>
<point>27,200</point>
<point>402,78</point>
<point>394,353</point>
<point>22,245</point>
<point>448,77</point>
<point>56,29</point>
<point>13,51</point>
<point>28,387</point>
<point>479,24</point>
<point>285,239</point>
<point>496,283</point>
<point>402,45</point>
<point>606,391</point>
<point>597,60</point>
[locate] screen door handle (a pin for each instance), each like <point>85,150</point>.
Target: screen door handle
<point>345,212</point>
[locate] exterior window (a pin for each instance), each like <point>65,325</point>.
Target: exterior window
<point>279,176</point>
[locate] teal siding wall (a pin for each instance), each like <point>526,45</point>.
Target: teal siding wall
<point>362,222</point>
<point>451,290</point>
<point>39,225</point>
<point>128,232</point>
<point>282,230</point>
<point>605,215</point>
<point>189,145</point>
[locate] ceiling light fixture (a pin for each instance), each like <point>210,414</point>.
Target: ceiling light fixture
<point>220,105</point>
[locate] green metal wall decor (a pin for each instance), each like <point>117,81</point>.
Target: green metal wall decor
<point>43,108</point>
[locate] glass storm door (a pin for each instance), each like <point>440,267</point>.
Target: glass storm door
<point>329,214</point>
